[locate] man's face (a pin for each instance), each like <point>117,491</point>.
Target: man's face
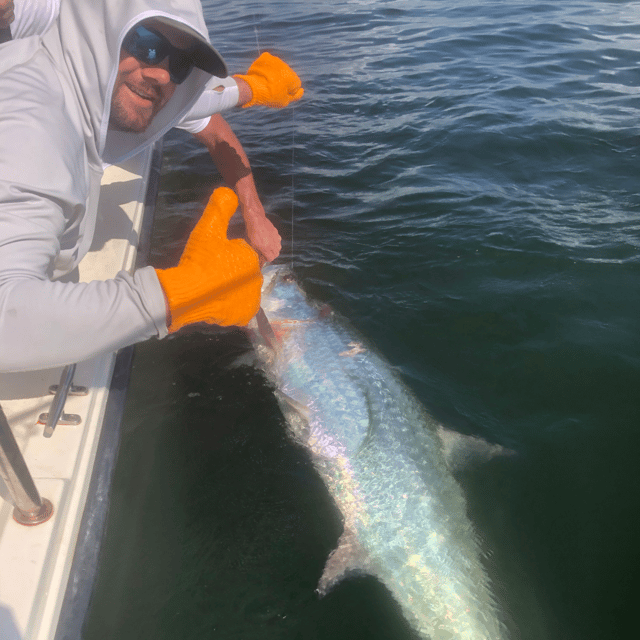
<point>141,90</point>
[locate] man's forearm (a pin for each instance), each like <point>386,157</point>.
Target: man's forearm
<point>55,323</point>
<point>225,150</point>
<point>232,163</point>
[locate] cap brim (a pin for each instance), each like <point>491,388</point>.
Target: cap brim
<point>205,56</point>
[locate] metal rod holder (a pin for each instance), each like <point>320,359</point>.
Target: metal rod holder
<point>56,415</point>
<point>30,508</point>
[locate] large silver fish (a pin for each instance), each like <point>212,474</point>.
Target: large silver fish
<point>381,457</point>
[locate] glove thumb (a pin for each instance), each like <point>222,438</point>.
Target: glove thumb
<point>213,223</point>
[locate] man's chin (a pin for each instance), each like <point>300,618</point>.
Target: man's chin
<point>128,126</point>
<point>129,122</point>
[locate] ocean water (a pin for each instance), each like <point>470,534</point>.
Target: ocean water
<point>461,181</point>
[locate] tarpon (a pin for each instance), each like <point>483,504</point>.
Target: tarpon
<point>380,455</point>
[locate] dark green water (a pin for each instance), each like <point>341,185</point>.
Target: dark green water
<point>463,181</point>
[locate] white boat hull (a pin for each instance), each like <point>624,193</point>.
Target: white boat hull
<point>36,562</point>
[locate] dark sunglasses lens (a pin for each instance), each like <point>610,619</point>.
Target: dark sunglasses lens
<point>152,48</point>
<point>146,46</point>
<point>180,66</point>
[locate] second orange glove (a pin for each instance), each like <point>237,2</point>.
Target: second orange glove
<point>273,82</point>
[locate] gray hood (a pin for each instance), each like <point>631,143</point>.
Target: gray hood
<point>86,46</point>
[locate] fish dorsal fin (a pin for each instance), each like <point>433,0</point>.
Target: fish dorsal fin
<point>461,451</point>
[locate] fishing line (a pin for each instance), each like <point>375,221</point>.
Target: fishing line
<point>255,30</point>
<point>293,144</point>
<point>293,173</point>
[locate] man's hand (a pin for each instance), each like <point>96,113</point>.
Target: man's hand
<point>6,13</point>
<point>273,82</point>
<point>261,233</point>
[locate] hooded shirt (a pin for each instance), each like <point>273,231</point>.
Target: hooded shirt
<point>54,142</point>
<point>35,17</point>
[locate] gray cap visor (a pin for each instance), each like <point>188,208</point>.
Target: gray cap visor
<point>205,56</point>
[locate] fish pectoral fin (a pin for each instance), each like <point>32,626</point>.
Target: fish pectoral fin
<point>294,404</point>
<point>347,559</point>
<point>266,330</point>
<point>297,415</point>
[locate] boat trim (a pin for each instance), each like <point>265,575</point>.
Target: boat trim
<point>78,594</point>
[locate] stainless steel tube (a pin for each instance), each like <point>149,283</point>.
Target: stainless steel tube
<point>57,405</point>
<point>30,508</point>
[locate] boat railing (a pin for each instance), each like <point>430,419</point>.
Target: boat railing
<point>30,509</point>
<point>56,414</point>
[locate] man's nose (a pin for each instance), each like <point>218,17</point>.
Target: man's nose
<point>157,74</point>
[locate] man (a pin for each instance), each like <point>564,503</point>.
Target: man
<point>25,18</point>
<point>107,80</point>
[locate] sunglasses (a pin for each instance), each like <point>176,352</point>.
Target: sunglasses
<point>151,47</point>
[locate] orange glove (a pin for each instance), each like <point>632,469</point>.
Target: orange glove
<point>273,82</point>
<point>217,280</point>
